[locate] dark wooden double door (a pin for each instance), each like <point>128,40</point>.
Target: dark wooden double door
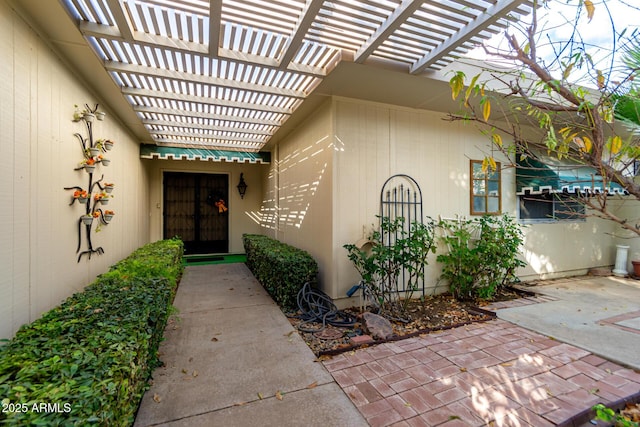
<point>196,210</point>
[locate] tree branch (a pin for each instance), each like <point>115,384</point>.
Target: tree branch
<point>604,213</point>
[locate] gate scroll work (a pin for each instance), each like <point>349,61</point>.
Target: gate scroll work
<point>401,197</point>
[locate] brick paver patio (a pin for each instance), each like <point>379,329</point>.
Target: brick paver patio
<point>492,373</point>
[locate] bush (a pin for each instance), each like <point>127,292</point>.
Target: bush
<point>88,360</point>
<point>280,268</point>
<point>482,255</point>
<point>398,249</point>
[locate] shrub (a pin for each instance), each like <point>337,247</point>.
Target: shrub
<point>482,255</point>
<point>280,268</point>
<point>406,252</point>
<point>89,358</point>
<point>617,419</point>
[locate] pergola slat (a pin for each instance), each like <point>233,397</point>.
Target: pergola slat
<point>204,115</point>
<point>401,14</point>
<point>209,80</point>
<point>232,68</point>
<point>312,7</point>
<point>483,21</point>
<point>205,100</point>
<point>204,127</point>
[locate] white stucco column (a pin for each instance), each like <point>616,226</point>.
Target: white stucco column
<point>620,268</point>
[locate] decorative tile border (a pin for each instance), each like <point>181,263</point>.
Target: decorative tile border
<point>519,302</point>
<point>615,321</point>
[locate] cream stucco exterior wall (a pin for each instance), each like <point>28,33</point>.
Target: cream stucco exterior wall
<point>329,172</point>
<point>244,213</point>
<point>320,191</point>
<point>629,209</point>
<point>38,154</point>
<point>378,141</point>
<point>299,200</point>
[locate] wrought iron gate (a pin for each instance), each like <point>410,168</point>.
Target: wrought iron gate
<point>401,197</point>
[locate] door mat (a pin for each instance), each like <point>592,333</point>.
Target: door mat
<point>213,259</point>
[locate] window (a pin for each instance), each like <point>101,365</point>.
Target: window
<point>485,190</point>
<point>550,207</point>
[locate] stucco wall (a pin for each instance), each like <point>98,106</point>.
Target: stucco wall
<point>629,209</point>
<point>566,249</point>
<point>377,141</point>
<point>357,145</point>
<point>244,214</point>
<point>298,199</point>
<point>38,152</point>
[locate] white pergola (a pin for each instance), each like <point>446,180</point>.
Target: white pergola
<point>227,74</point>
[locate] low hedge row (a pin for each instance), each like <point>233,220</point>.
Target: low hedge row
<point>282,269</point>
<point>88,360</point>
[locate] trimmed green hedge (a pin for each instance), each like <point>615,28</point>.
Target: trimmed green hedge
<point>88,360</point>
<point>282,269</point>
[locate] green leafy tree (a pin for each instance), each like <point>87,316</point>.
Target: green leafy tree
<point>559,98</point>
<point>628,104</point>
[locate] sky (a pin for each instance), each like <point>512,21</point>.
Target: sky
<point>555,23</point>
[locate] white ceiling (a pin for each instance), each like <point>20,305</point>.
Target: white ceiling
<point>228,74</point>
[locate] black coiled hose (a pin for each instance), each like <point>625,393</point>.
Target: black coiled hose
<point>317,307</point>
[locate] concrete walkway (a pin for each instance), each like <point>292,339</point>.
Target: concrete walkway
<point>598,314</point>
<point>234,360</point>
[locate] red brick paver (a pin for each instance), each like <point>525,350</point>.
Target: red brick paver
<point>492,373</point>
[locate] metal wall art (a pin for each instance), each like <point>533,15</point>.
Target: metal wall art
<point>96,194</point>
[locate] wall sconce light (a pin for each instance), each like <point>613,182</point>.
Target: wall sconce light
<point>242,186</point>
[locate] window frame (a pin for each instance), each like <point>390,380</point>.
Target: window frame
<point>485,180</point>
